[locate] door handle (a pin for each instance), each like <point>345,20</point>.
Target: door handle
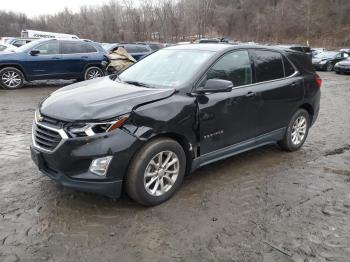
<point>55,58</point>
<point>294,84</point>
<point>85,57</point>
<point>250,94</point>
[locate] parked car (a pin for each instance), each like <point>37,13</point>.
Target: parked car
<point>7,48</point>
<point>137,51</point>
<point>300,48</point>
<point>176,110</point>
<point>152,45</point>
<point>316,51</point>
<point>346,50</point>
<point>18,42</point>
<point>52,59</point>
<point>342,67</point>
<point>326,60</point>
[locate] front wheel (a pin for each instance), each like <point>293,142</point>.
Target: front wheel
<point>297,131</point>
<point>156,172</point>
<point>11,78</point>
<point>93,72</point>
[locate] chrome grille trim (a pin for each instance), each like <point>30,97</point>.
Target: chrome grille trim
<point>47,136</point>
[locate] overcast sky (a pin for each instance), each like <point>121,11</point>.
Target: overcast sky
<point>33,8</point>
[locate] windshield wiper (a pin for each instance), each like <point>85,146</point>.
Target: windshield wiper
<point>136,83</point>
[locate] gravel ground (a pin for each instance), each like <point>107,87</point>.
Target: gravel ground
<point>264,205</point>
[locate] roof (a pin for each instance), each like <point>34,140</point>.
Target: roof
<point>218,47</point>
<point>204,47</point>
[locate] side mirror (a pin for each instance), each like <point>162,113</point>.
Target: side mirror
<point>215,86</point>
<point>34,52</point>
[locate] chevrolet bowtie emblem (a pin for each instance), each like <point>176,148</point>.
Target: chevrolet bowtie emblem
<point>39,117</point>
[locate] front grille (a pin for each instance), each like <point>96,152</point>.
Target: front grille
<point>46,138</point>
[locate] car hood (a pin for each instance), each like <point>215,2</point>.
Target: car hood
<point>318,60</point>
<point>99,99</point>
<point>8,54</point>
<point>344,63</point>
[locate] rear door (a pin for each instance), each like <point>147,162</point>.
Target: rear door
<point>279,89</point>
<point>230,117</point>
<point>75,55</point>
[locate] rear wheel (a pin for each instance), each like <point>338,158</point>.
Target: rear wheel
<point>297,131</point>
<point>156,172</point>
<point>11,78</point>
<point>330,67</point>
<point>93,72</point>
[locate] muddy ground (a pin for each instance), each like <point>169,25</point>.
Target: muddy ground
<point>264,205</point>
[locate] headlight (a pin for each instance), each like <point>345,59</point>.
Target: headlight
<point>91,129</point>
<point>323,62</point>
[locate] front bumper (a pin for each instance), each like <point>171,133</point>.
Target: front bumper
<point>68,164</point>
<point>342,69</point>
<point>321,67</point>
<point>111,189</point>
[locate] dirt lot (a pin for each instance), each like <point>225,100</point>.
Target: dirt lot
<point>264,205</point>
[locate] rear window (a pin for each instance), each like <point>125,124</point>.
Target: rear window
<point>77,48</point>
<point>268,65</point>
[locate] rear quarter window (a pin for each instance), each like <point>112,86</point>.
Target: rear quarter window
<point>268,65</point>
<point>302,62</point>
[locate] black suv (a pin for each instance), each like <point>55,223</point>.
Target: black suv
<point>174,111</point>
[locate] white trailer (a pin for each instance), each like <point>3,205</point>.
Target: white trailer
<point>41,34</point>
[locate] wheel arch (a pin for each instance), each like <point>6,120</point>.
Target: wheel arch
<point>88,65</point>
<point>309,109</point>
<point>184,143</point>
<point>17,66</point>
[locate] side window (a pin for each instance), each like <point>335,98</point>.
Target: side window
<point>234,67</point>
<point>268,65</point>
<point>340,55</point>
<point>71,48</point>
<point>288,67</point>
<point>49,48</point>
<point>345,55</point>
<point>89,48</point>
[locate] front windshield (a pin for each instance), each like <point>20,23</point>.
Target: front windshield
<point>28,46</point>
<point>167,67</point>
<point>326,55</point>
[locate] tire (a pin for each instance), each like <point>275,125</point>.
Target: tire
<point>93,72</point>
<point>329,67</point>
<point>294,142</point>
<point>11,78</point>
<point>144,162</point>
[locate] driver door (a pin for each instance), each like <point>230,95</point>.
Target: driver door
<point>228,118</point>
<point>45,64</point>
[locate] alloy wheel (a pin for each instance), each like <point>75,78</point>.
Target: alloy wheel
<point>329,67</point>
<point>11,79</point>
<point>161,173</point>
<point>94,73</point>
<point>299,130</point>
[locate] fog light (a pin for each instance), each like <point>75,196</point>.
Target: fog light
<point>99,166</point>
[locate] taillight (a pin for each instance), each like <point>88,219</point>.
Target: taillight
<point>318,80</point>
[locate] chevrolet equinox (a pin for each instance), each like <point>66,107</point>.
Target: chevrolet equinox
<point>176,110</point>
